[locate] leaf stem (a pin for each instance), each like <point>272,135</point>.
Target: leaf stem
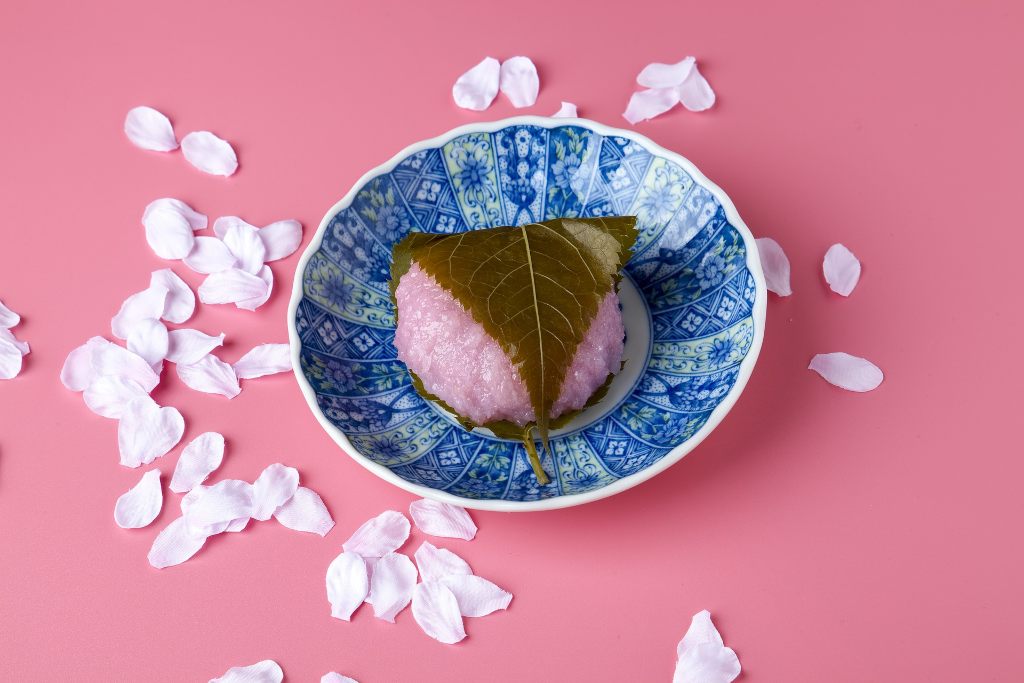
<point>531,451</point>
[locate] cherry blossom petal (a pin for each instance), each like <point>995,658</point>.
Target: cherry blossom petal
<point>196,220</point>
<point>210,375</point>
<point>442,519</point>
<point>305,511</point>
<point>273,488</point>
<point>168,233</point>
<point>224,223</point>
<point>646,104</point>
<point>255,302</point>
<point>702,631</point>
<point>347,585</point>
<point>519,81</point>
<point>703,658</point>
<point>149,304</point>
<point>335,677</point>
<point>110,395</point>
<point>198,459</point>
<point>8,318</point>
<point>8,336</point>
<point>265,359</point>
<point>209,153</point>
<point>181,302</point>
<point>695,92</point>
<point>477,597</point>
<point>847,372</point>
<point>436,564</point>
<point>188,500</point>
<point>658,75</point>
<point>188,346</point>
<point>77,372</point>
<point>478,87</point>
<point>147,431</point>
<point>111,360</point>
<point>266,671</point>
<point>379,536</point>
<point>220,504</point>
<point>140,505</point>
<point>281,239</point>
<point>149,129</point>
<point>245,244</point>
<point>391,586</point>
<point>842,269</point>
<point>566,111</point>
<point>231,286</point>
<point>775,265</point>
<point>148,339</point>
<point>174,544</point>
<point>11,359</point>
<point>210,255</point>
<point>437,612</point>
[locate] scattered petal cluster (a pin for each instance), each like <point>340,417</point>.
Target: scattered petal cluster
<point>149,129</point>
<point>515,77</point>
<point>12,350</point>
<point>702,656</point>
<point>667,85</point>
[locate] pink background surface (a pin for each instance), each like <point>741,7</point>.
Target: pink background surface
<point>833,536</point>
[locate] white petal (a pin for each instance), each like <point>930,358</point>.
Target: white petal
<point>77,372</point>
<point>231,286</point>
<point>187,346</point>
<point>775,265</point>
<point>266,671</point>
<point>379,536</point>
<point>181,302</point>
<point>695,92</point>
<point>245,244</point>
<point>8,336</point>
<point>210,255</point>
<point>702,631</point>
<point>196,220</point>
<point>437,563</point>
<point>273,488</point>
<point>305,511</point>
<point>281,239</point>
<point>149,129</point>
<point>110,395</point>
<point>646,104</point>
<point>255,302</point>
<point>566,111</point>
<point>198,459</point>
<point>847,372</point>
<point>265,359</point>
<point>666,75</point>
<point>224,502</point>
<point>210,375</point>
<point>10,360</point>
<point>442,519</point>
<point>168,233</point>
<point>224,223</point>
<point>148,339</point>
<point>8,318</point>
<point>147,431</point>
<point>703,658</point>
<point>347,585</point>
<point>237,524</point>
<point>148,304</point>
<point>437,612</point>
<point>478,87</point>
<point>519,81</point>
<point>477,597</point>
<point>175,544</point>
<point>141,504</point>
<point>110,360</point>
<point>842,269</point>
<point>391,586</point>
<point>334,677</point>
<point>209,153</point>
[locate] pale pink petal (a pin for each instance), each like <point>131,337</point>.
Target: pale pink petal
<point>658,75</point>
<point>379,536</point>
<point>519,81</point>
<point>168,233</point>
<point>646,104</point>
<point>231,286</point>
<point>210,255</point>
<point>266,671</point>
<point>11,360</point>
<point>210,375</point>
<point>149,129</point>
<point>702,631</point>
<point>111,360</point>
<point>140,505</point>
<point>224,223</point>
<point>198,459</point>
<point>181,302</point>
<point>175,544</point>
<point>703,658</point>
<point>8,318</point>
<point>148,339</point>
<point>219,504</point>
<point>847,372</point>
<point>209,153</point>
<point>187,346</point>
<point>842,269</point>
<point>442,519</point>
<point>775,265</point>
<point>196,220</point>
<point>566,111</point>
<point>437,563</point>
<point>237,525</point>
<point>347,585</point>
<point>188,500</point>
<point>334,677</point>
<point>265,359</point>
<point>305,511</point>
<point>391,586</point>
<point>252,304</point>
<point>281,239</point>
<point>8,336</point>
<point>478,87</point>
<point>110,395</point>
<point>695,92</point>
<point>77,372</point>
<point>437,612</point>
<point>148,304</point>
<point>147,431</point>
<point>273,488</point>
<point>477,597</point>
<point>245,244</point>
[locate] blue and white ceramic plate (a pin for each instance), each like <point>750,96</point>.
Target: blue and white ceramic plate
<point>693,302</point>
